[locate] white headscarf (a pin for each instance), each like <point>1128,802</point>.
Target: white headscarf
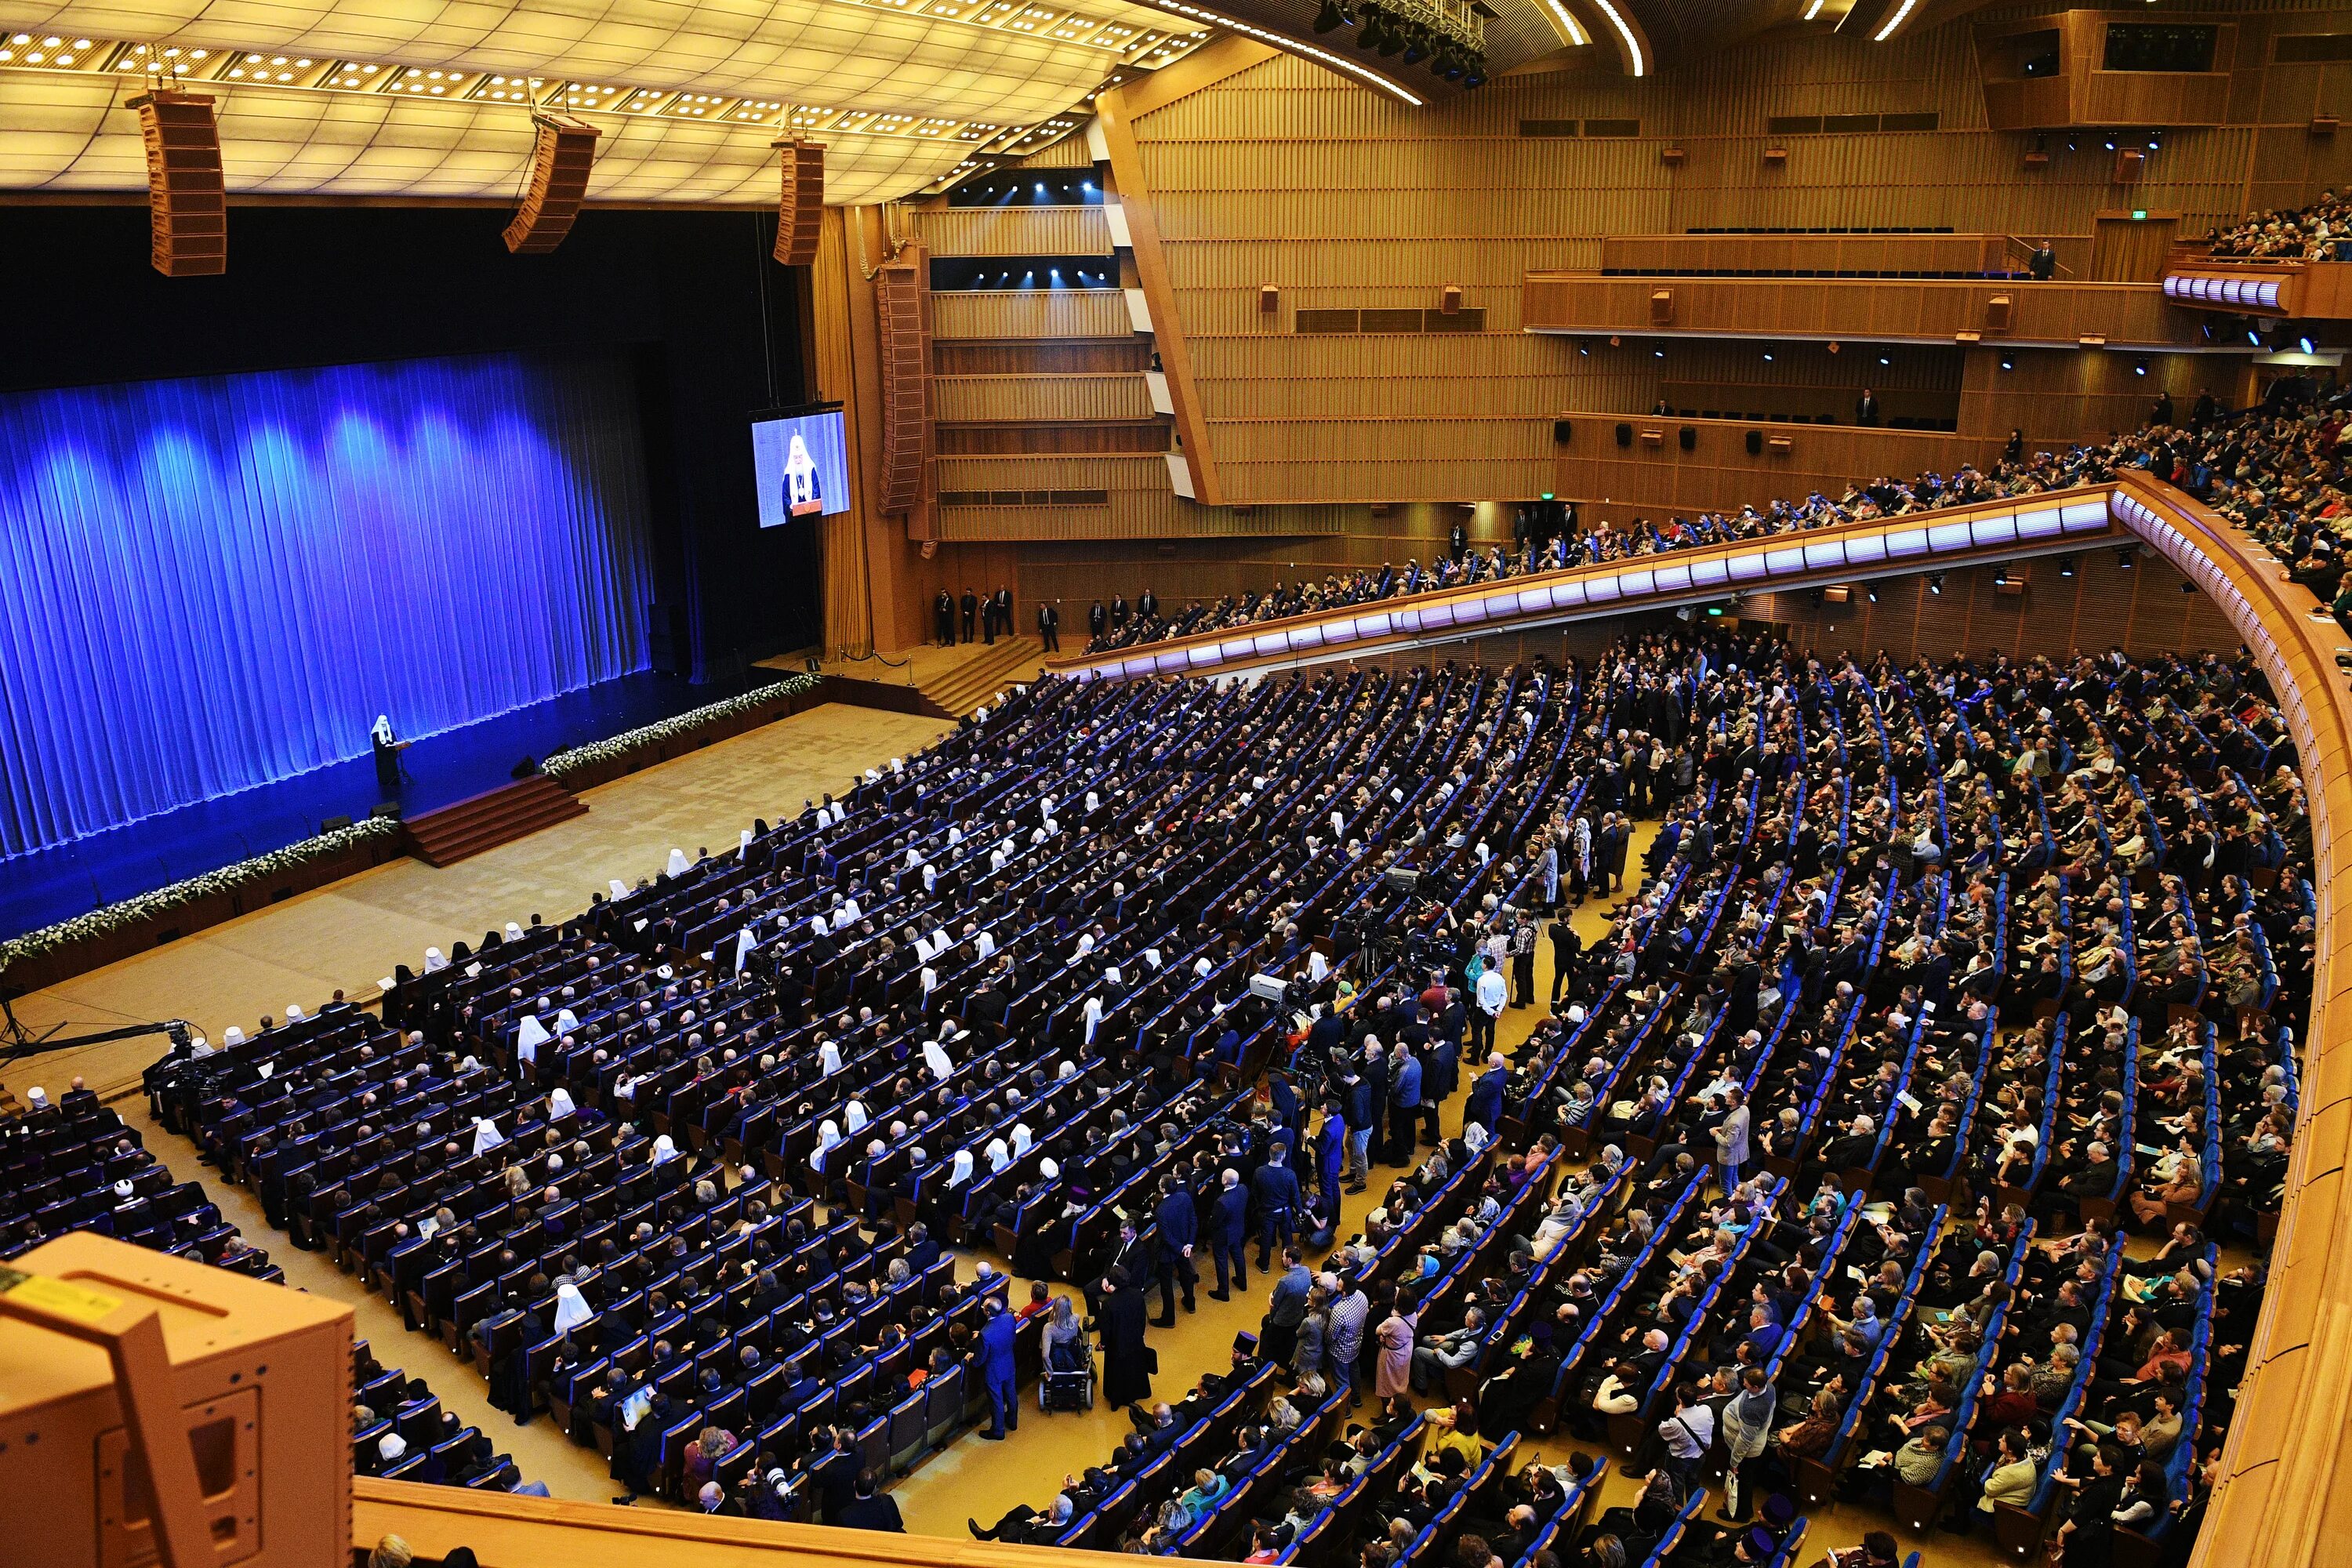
<point>663,1150</point>
<point>828,1138</point>
<point>571,1308</point>
<point>1048,1168</point>
<point>853,1115</point>
<point>998,1155</point>
<point>935,1056</point>
<point>381,731</point>
<point>391,1447</point>
<point>559,1104</point>
<point>1020,1139</point>
<point>963,1170</point>
<point>486,1136</point>
<point>678,862</point>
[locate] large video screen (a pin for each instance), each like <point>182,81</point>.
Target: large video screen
<point>802,463</point>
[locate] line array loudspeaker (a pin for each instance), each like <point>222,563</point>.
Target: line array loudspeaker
<point>187,198</point>
<point>802,208</point>
<point>560,164</point>
<point>903,308</point>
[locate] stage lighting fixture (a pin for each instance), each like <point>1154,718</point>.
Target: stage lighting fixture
<point>1767,356</point>
<point>2139,365</point>
<point>2186,586</point>
<point>2303,344</point>
<point>1583,351</point>
<point>1415,48</point>
<point>1871,589</point>
<point>1883,359</point>
<point>1329,16</point>
<point>2065,567</point>
<point>1657,354</point>
<point>2007,362</point>
<point>2253,337</point>
<point>2124,558</point>
<point>1392,39</point>
<point>2001,576</point>
<point>1935,582</point>
<point>2110,143</point>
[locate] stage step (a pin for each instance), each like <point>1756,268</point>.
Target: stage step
<point>458,832</point>
<point>965,686</point>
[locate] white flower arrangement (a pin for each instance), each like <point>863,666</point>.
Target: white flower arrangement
<point>108,919</point>
<point>579,758</point>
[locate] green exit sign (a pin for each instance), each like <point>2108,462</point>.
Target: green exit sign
<point>2139,214</point>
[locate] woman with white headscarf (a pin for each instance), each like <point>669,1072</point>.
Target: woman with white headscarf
<point>663,1150</point>
<point>571,1308</point>
<point>828,1138</point>
<point>487,1135</point>
<point>998,1155</point>
<point>559,1104</point>
<point>1022,1142</point>
<point>935,1056</point>
<point>828,1056</point>
<point>854,1120</point>
<point>962,1171</point>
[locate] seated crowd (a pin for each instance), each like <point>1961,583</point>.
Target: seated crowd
<point>2312,232</point>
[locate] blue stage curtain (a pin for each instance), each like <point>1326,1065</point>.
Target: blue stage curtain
<point>208,584</point>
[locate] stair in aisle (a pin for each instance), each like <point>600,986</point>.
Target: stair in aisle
<point>963,687</point>
<point>458,832</point>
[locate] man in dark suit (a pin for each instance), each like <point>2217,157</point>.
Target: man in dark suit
<point>997,1371</point>
<point>1148,605</point>
<point>943,617</point>
<point>988,621</point>
<point>1178,1229</point>
<point>1004,612</point>
<point>871,1509</point>
<point>1485,1107</point>
<point>1097,619</point>
<point>971,611</point>
<point>1275,1186</point>
<point>1229,1236</point>
<point>2043,265</point>
<point>834,1476</point>
<point>1118,612</point>
<point>1049,624</point>
<point>1865,408</point>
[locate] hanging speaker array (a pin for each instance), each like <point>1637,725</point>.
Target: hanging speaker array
<point>187,198</point>
<point>802,208</point>
<point>901,301</point>
<point>560,161</point>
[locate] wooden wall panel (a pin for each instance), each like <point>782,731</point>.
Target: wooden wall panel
<point>1719,474</point>
<point>1014,231</point>
<point>1076,356</point>
<point>1885,253</point>
<point>2101,607</point>
<point>1039,397</point>
<point>2056,397</point>
<point>1143,514</point>
<point>1030,440</point>
<point>1031,313</point>
<point>1589,302</point>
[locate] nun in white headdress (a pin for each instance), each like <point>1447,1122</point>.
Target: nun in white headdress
<point>935,1056</point>
<point>559,1104</point>
<point>433,960</point>
<point>571,1308</point>
<point>961,1172</point>
<point>828,1139</point>
<point>854,1117</point>
<point>1086,943</point>
<point>663,1150</point>
<point>828,1056</point>
<point>999,1156</point>
<point>529,1035</point>
<point>1020,1139</point>
<point>487,1135</point>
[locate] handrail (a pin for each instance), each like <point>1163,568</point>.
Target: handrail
<point>2281,1501</point>
<point>1688,569</point>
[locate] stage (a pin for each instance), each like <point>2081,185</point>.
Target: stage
<point>45,886</point>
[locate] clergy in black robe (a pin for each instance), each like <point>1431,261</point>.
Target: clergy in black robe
<point>1120,1314</point>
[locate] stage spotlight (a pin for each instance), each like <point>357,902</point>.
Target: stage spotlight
<point>1657,354</point>
<point>2001,576</point>
<point>1392,39</point>
<point>2065,567</point>
<point>1871,589</point>
<point>2139,365</point>
<point>1583,351</point>
<point>1885,360</point>
<point>2124,558</point>
<point>1767,356</point>
<point>2303,344</point>
<point>2186,586</point>
<point>1935,582</point>
<point>2253,337</point>
<point>1329,16</point>
<point>2007,362</point>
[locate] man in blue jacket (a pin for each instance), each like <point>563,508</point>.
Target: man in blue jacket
<point>1485,1107</point>
<point>1331,1159</point>
<point>1180,1227</point>
<point>1229,1237</point>
<point>1404,1106</point>
<point>1275,1186</point>
<point>996,1368</point>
